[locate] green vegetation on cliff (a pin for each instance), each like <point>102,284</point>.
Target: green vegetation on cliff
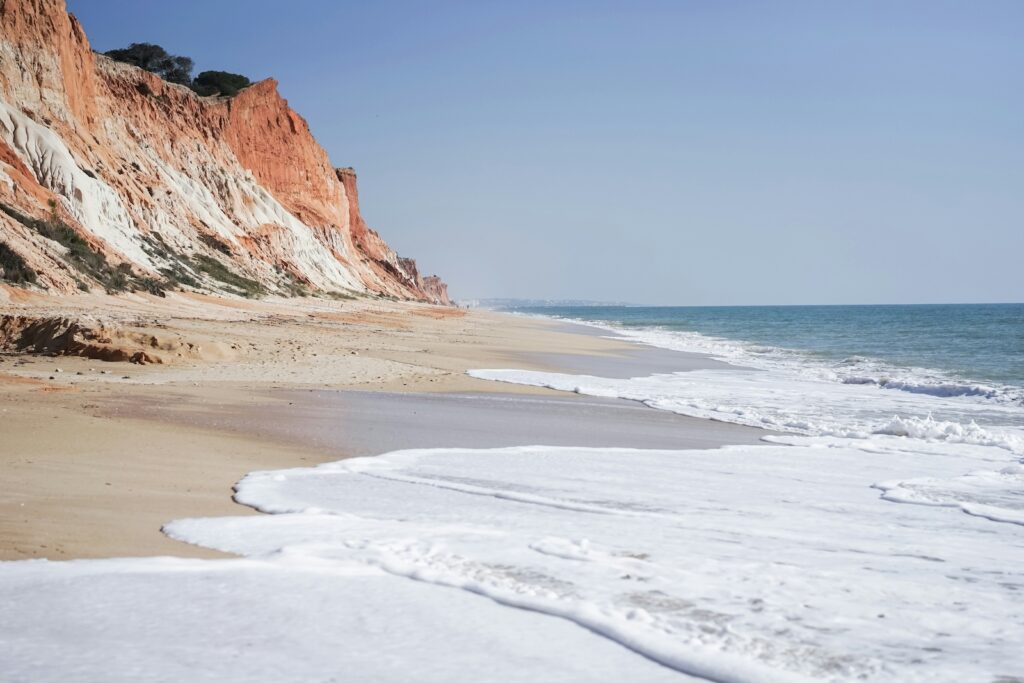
<point>178,69</point>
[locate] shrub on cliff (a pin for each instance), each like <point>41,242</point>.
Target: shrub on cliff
<point>13,268</point>
<point>219,82</point>
<point>78,252</point>
<point>218,271</point>
<point>154,58</point>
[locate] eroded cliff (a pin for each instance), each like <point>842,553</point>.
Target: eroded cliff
<point>111,177</point>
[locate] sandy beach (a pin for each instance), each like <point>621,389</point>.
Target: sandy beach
<point>99,455</point>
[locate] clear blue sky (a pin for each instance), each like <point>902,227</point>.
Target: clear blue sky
<point>702,152</point>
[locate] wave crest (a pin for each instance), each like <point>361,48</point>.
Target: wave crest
<point>931,429</point>
<point>855,369</point>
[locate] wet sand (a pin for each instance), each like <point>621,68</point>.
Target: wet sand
<point>342,424</point>
<point>96,462</point>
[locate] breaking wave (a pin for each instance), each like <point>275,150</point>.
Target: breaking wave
<point>849,370</point>
<point>798,392</point>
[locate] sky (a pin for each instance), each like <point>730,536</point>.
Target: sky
<point>692,152</point>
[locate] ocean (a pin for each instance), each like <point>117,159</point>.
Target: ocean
<point>970,349</point>
<point>951,371</point>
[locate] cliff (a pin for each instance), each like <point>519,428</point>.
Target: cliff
<point>111,177</point>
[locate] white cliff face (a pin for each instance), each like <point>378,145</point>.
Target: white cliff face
<point>242,207</point>
<point>94,205</point>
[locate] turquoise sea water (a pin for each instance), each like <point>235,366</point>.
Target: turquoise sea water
<point>946,349</point>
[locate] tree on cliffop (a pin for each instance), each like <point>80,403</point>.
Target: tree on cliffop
<point>219,83</point>
<point>154,58</point>
<point>177,69</point>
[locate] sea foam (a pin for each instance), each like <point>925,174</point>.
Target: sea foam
<point>793,402</point>
<point>790,561</point>
<point>751,563</point>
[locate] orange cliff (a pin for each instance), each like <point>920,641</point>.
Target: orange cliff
<point>211,193</point>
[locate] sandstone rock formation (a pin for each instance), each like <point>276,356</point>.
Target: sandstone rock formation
<point>110,175</point>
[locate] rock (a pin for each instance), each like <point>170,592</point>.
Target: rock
<point>98,136</point>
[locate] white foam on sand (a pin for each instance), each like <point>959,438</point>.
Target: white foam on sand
<point>776,562</point>
<point>794,403</point>
<point>292,619</point>
<point>996,495</point>
<point>983,436</point>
